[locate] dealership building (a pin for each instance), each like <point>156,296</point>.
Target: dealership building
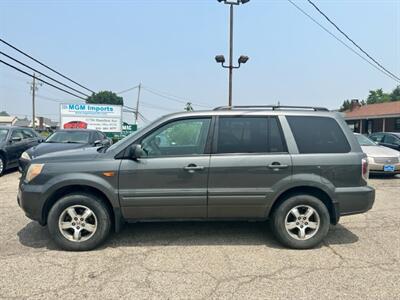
<point>380,117</point>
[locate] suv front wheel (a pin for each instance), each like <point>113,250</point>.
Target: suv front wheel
<point>79,222</point>
<point>301,222</point>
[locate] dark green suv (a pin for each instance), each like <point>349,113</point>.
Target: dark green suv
<point>300,167</point>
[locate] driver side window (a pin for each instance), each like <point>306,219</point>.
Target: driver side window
<point>17,134</point>
<point>178,138</point>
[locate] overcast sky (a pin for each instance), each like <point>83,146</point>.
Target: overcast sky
<point>169,45</point>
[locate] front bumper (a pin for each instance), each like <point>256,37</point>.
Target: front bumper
<point>23,164</point>
<point>30,200</point>
<point>354,200</point>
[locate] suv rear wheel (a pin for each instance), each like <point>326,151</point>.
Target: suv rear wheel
<point>301,222</point>
<point>79,222</point>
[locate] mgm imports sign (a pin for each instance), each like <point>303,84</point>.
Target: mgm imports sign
<point>106,118</point>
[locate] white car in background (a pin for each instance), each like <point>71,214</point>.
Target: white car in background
<point>381,160</point>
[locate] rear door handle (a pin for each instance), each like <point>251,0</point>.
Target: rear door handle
<point>192,168</point>
<point>276,165</point>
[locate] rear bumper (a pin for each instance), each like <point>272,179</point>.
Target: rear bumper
<point>376,168</point>
<point>354,200</point>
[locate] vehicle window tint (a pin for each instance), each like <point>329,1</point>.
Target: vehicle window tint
<point>377,137</point>
<point>80,137</point>
<point>17,133</point>
<point>102,135</point>
<point>242,135</point>
<point>3,134</point>
<point>182,137</point>
<point>96,136</point>
<point>318,135</point>
<point>390,139</point>
<point>28,134</point>
<point>276,140</point>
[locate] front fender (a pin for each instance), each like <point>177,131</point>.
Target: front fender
<point>107,185</point>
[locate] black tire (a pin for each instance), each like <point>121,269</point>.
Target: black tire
<point>301,201</point>
<point>100,213</point>
<point>3,163</point>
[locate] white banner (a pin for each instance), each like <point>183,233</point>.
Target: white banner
<point>106,118</point>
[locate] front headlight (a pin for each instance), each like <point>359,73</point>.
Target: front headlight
<point>25,156</point>
<point>33,171</point>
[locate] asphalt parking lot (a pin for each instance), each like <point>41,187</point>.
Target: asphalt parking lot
<point>360,258</point>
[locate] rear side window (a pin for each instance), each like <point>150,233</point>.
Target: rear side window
<point>318,135</point>
<point>249,135</point>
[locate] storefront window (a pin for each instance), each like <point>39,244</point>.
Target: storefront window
<point>397,124</point>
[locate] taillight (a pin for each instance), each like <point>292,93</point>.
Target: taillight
<point>364,168</point>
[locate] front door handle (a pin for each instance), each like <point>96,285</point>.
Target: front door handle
<point>277,166</point>
<point>192,168</point>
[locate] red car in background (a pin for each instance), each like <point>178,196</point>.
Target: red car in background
<point>75,125</point>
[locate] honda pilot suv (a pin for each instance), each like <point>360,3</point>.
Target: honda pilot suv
<point>301,168</point>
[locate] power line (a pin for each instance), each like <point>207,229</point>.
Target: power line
<point>48,83</point>
<point>21,63</point>
<point>339,40</point>
<point>172,97</point>
<point>54,100</point>
<point>128,90</point>
<point>44,65</point>
<point>152,106</point>
<point>351,40</point>
<point>144,118</point>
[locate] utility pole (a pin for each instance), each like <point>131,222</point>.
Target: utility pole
<point>33,89</point>
<point>137,104</point>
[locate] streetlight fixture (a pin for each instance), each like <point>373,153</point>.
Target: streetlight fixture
<point>220,58</point>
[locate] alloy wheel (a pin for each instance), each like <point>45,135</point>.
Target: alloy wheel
<point>302,222</point>
<point>77,223</point>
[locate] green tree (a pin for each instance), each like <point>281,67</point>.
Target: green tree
<point>395,95</point>
<point>378,96</point>
<point>105,97</point>
<point>345,106</point>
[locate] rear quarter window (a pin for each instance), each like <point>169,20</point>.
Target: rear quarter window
<point>318,135</point>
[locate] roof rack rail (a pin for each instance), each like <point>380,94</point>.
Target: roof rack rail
<point>272,107</point>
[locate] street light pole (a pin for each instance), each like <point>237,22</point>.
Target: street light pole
<point>221,59</point>
<point>230,55</point>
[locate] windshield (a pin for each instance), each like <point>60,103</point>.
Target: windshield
<point>78,137</point>
<point>3,134</point>
<point>364,141</point>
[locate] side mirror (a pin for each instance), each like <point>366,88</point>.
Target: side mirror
<point>16,139</point>
<point>102,143</point>
<point>135,152</point>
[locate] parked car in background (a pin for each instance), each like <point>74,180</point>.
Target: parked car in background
<point>13,142</point>
<point>300,167</point>
<point>381,159</point>
<point>62,140</point>
<point>387,139</point>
